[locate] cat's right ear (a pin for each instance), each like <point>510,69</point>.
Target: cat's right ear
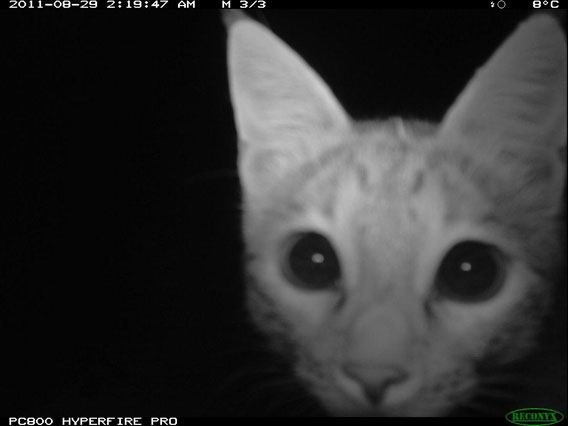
<point>284,113</point>
<point>512,114</point>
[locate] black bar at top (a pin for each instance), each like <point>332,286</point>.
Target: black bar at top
<point>496,5</point>
<point>492,6</point>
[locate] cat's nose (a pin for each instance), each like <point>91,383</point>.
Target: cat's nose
<point>375,380</point>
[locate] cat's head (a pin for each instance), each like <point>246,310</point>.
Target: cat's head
<point>388,258</point>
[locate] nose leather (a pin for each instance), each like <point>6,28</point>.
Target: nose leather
<point>374,380</point>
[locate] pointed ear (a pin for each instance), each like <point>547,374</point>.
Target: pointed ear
<point>284,113</point>
<point>515,108</point>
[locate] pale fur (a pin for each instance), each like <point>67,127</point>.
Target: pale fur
<point>392,197</point>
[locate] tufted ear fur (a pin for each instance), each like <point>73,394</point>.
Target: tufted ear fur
<point>284,113</point>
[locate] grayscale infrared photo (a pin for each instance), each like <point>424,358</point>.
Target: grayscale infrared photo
<point>283,213</point>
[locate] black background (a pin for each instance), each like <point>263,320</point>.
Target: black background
<point>121,282</point>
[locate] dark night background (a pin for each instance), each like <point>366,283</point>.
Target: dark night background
<point>121,282</point>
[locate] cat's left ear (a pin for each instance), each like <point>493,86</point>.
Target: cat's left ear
<point>516,104</point>
<point>285,114</point>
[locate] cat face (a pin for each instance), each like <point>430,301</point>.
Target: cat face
<point>386,259</point>
<point>361,302</point>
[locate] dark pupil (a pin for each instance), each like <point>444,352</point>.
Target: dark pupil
<point>311,262</point>
<point>471,272</point>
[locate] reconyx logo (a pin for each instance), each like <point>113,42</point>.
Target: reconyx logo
<point>534,417</point>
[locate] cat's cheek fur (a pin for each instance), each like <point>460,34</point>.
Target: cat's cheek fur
<point>304,309</point>
<point>479,321</point>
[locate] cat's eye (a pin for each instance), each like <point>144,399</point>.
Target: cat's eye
<point>310,262</point>
<point>471,272</point>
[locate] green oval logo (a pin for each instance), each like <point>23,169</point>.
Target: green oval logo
<point>534,417</point>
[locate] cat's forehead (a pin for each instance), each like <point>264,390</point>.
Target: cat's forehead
<point>376,156</point>
<point>390,173</point>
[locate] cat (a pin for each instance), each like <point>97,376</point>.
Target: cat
<point>388,259</point>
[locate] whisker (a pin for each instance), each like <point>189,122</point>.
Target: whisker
<point>253,381</point>
<point>296,401</point>
<point>286,408</point>
<point>266,395</point>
